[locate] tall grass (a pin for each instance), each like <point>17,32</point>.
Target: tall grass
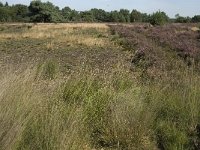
<point>98,109</point>
<point>175,102</point>
<point>86,110</point>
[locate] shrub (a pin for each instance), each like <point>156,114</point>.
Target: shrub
<point>159,18</point>
<point>196,18</point>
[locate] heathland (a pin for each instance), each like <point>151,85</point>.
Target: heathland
<point>99,86</point>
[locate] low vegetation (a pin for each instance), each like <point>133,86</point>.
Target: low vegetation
<point>98,86</point>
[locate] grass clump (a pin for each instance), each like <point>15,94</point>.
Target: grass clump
<point>170,137</point>
<point>48,70</point>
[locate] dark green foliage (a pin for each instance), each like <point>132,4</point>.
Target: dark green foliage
<point>87,16</point>
<point>5,15</point>
<point>1,4</point>
<point>121,16</point>
<point>70,15</point>
<point>44,12</point>
<point>159,18</point>
<point>100,15</point>
<point>21,13</point>
<point>15,13</point>
<point>196,18</point>
<point>6,4</point>
<point>180,19</point>
<point>146,17</point>
<point>136,16</point>
<point>74,16</point>
<point>114,16</point>
<point>66,13</point>
<point>21,10</point>
<point>125,14</point>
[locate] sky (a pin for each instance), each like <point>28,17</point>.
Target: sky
<point>171,7</point>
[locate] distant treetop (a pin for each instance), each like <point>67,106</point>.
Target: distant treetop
<point>39,11</point>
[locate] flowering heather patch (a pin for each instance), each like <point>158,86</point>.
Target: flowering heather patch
<point>177,37</point>
<point>148,56</point>
<point>156,50</point>
<point>134,40</point>
<point>180,38</point>
<point>138,42</point>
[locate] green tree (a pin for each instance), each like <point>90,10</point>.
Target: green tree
<point>44,12</point>
<point>121,18</point>
<point>180,19</point>
<point>20,13</point>
<point>159,18</point>
<point>5,15</point>
<point>75,16</point>
<point>1,4</point>
<point>146,17</point>
<point>66,13</point>
<point>6,4</point>
<point>114,16</point>
<point>100,15</point>
<point>87,16</point>
<point>35,8</point>
<point>196,18</point>
<point>124,15</point>
<point>136,16</point>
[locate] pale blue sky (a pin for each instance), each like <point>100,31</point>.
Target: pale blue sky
<point>171,7</point>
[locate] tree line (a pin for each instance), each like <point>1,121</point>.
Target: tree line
<point>47,12</point>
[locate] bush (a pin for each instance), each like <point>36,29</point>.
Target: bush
<point>196,18</point>
<point>181,19</point>
<point>159,18</point>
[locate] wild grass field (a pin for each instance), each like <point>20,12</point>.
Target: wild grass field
<point>90,86</point>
